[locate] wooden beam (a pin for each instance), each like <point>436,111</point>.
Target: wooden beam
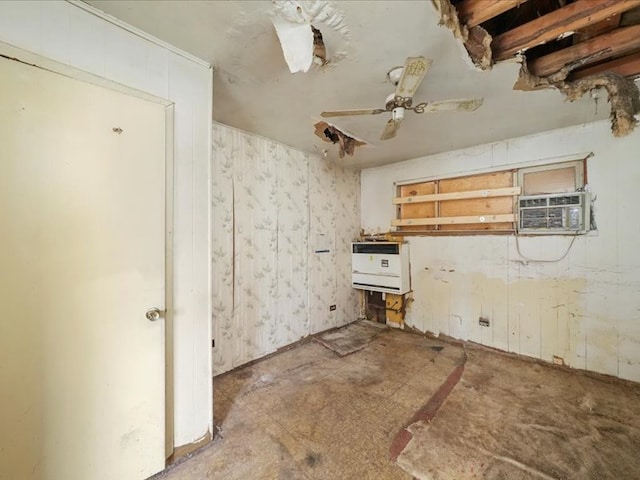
<point>568,19</point>
<point>474,12</point>
<point>435,197</point>
<point>502,218</point>
<point>628,66</point>
<point>618,42</point>
<point>598,28</point>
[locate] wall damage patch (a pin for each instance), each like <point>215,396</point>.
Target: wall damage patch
<point>308,31</point>
<point>329,133</point>
<point>623,93</point>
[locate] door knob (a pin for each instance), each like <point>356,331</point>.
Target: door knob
<point>153,314</point>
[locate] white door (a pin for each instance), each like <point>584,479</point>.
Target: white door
<point>82,229</point>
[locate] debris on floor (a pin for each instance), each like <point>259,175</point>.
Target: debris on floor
<point>513,418</point>
<point>427,412</point>
<point>329,133</point>
<point>309,414</point>
<point>353,337</point>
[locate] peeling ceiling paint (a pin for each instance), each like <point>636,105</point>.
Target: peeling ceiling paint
<point>255,91</point>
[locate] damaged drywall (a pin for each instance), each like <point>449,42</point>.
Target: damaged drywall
<point>329,133</point>
<point>623,94</point>
<point>308,31</point>
<point>319,48</point>
<point>297,43</point>
<point>476,40</point>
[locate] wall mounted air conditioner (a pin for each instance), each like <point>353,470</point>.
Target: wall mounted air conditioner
<point>554,213</point>
<point>380,267</point>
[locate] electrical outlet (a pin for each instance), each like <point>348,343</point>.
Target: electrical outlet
<point>483,321</point>
<point>332,308</point>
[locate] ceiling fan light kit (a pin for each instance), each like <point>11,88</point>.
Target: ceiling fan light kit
<point>407,80</point>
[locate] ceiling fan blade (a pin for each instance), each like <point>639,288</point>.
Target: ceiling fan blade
<point>344,113</point>
<point>465,105</point>
<point>415,68</point>
<point>390,129</point>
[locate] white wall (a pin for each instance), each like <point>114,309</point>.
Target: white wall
<point>270,287</point>
<point>75,36</point>
<point>585,308</point>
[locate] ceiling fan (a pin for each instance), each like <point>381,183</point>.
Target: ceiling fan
<point>407,79</point>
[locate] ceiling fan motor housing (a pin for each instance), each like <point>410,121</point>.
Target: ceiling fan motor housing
<point>397,115</point>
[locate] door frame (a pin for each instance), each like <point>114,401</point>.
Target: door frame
<point>10,52</point>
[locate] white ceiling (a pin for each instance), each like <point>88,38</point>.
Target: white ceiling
<point>254,90</point>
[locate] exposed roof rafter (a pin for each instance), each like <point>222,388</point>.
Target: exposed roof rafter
<point>572,17</point>
<point>474,12</point>
<point>598,28</point>
<point>628,66</point>
<point>618,42</point>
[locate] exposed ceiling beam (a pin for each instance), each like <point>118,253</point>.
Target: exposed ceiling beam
<point>617,42</point>
<point>628,66</point>
<point>606,25</point>
<point>474,12</point>
<point>570,18</point>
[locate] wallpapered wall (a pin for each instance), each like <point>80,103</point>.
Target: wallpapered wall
<point>273,207</point>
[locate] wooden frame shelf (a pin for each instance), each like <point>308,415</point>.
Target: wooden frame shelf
<point>467,219</point>
<point>480,202</point>
<point>439,197</point>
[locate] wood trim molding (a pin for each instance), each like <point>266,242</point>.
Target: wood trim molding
<point>470,219</point>
<point>181,452</point>
<point>485,193</point>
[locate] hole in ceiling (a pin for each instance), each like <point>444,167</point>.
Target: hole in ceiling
<point>319,49</point>
<point>307,31</point>
<point>328,133</point>
<point>575,47</point>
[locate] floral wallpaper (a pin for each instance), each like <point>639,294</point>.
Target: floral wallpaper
<point>273,208</point>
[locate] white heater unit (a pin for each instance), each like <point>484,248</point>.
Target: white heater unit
<point>380,267</point>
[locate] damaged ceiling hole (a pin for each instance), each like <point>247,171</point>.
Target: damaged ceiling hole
<point>329,133</point>
<point>319,50</point>
<point>574,46</point>
<point>304,30</point>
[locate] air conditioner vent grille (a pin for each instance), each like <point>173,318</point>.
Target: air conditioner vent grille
<point>554,213</point>
<point>565,200</point>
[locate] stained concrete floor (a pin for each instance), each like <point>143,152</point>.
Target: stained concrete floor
<point>309,414</point>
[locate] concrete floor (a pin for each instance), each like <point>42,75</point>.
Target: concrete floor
<point>440,412</point>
